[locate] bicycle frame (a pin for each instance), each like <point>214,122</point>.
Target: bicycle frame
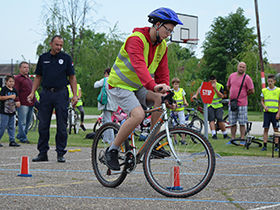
<point>162,120</point>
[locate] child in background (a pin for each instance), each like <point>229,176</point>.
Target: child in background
<point>179,97</point>
<point>270,102</point>
<point>8,95</point>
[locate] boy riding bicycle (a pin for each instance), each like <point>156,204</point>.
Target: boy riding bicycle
<point>140,75</point>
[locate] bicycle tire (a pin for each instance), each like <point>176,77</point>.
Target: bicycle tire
<point>77,123</point>
<point>34,121</point>
<point>196,169</point>
<point>103,174</point>
<point>97,125</point>
<point>196,124</point>
<point>70,122</point>
<point>31,122</point>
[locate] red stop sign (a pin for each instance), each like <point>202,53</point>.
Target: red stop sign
<point>207,92</point>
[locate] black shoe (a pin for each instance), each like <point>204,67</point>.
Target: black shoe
<point>60,159</point>
<point>214,137</point>
<point>41,157</point>
<point>226,136</point>
<point>14,144</point>
<point>1,145</point>
<point>183,142</point>
<point>160,153</point>
<point>83,127</point>
<point>112,159</point>
<point>25,142</point>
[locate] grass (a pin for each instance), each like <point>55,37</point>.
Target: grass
<point>220,147</point>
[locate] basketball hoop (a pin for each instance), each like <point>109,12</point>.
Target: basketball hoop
<point>193,41</point>
<point>188,32</point>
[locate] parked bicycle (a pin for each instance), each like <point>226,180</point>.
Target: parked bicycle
<point>250,140</point>
<point>192,120</point>
<point>73,120</point>
<point>183,172</point>
<point>116,117</point>
<point>34,120</point>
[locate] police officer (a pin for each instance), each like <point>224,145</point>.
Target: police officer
<point>52,72</point>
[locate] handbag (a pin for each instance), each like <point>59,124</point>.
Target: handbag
<point>102,97</point>
<point>233,102</point>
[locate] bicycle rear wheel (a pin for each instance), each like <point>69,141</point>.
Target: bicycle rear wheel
<point>189,177</point>
<point>196,124</point>
<point>104,175</point>
<point>97,125</point>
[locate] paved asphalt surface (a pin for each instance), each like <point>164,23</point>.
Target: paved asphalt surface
<point>238,183</point>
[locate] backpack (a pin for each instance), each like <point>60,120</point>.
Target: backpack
<point>90,135</point>
<point>102,97</point>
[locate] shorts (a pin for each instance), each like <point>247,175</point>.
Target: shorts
<point>269,117</point>
<point>129,100</point>
<point>181,116</point>
<point>215,114</point>
<point>241,115</point>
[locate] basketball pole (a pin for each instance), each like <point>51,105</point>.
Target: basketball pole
<point>260,44</point>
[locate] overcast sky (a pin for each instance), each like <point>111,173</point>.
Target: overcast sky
<point>22,27</point>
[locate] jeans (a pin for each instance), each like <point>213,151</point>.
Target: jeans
<point>108,134</point>
<point>25,114</point>
<point>8,121</point>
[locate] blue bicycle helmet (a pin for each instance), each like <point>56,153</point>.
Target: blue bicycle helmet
<point>164,15</point>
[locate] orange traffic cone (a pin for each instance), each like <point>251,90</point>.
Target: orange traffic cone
<point>175,178</point>
<point>24,168</point>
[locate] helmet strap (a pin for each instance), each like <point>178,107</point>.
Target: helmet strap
<point>158,41</point>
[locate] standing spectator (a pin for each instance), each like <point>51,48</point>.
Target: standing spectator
<point>179,97</point>
<point>233,85</point>
<point>108,108</point>
<point>8,95</point>
<point>53,69</point>
<point>79,105</point>
<point>215,109</point>
<point>270,102</point>
<point>23,84</point>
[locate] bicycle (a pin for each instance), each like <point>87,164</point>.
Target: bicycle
<point>225,119</point>
<point>249,139</point>
<point>73,119</point>
<point>195,123</point>
<point>34,120</point>
<point>186,171</point>
<point>117,117</point>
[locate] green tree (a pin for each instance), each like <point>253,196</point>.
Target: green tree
<point>228,37</point>
<point>183,64</point>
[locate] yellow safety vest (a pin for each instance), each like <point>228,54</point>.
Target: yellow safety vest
<point>178,97</point>
<point>216,102</point>
<point>123,74</point>
<point>80,102</point>
<point>271,99</point>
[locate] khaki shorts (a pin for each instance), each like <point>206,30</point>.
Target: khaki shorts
<point>129,100</point>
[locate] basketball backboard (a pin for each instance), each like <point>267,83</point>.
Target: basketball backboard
<point>186,33</point>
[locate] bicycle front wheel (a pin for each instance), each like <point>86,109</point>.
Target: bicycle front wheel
<point>77,123</point>
<point>97,125</point>
<point>104,175</point>
<point>191,174</point>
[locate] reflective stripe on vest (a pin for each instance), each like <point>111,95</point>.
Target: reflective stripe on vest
<point>271,99</point>
<point>216,102</point>
<point>178,97</point>
<point>123,74</point>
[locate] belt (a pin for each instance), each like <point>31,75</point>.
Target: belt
<point>55,89</point>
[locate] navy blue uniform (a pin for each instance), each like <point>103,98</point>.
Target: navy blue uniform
<point>54,70</point>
